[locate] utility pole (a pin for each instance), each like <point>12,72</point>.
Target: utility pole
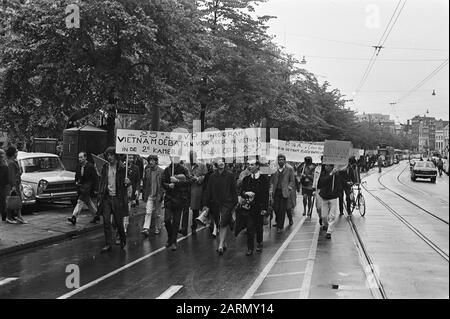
<point>203,95</point>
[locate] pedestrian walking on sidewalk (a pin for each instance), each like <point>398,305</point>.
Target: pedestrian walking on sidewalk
<point>112,197</point>
<point>15,185</point>
<point>281,185</point>
<point>252,207</point>
<point>175,182</point>
<point>221,198</point>
<point>86,180</point>
<point>4,182</point>
<point>330,184</point>
<point>153,195</point>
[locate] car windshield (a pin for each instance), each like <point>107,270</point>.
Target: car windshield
<point>424,164</point>
<point>40,164</point>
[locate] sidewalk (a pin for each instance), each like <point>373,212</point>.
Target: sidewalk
<point>44,228</point>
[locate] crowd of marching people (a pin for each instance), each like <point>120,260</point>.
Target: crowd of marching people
<point>229,198</point>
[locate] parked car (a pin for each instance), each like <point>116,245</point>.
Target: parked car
<point>424,170</point>
<point>44,179</point>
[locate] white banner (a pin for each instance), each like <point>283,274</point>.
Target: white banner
<point>356,152</point>
<point>296,151</point>
<point>153,143</point>
<point>336,152</point>
<point>231,143</point>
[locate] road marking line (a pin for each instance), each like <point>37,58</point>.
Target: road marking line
<point>258,281</point>
<point>276,292</point>
<point>348,287</point>
<point>286,274</point>
<point>93,283</point>
<point>306,286</point>
<point>170,292</point>
<point>300,240</point>
<point>291,260</point>
<point>4,281</point>
<point>306,233</point>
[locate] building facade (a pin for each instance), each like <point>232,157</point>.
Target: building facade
<point>428,134</point>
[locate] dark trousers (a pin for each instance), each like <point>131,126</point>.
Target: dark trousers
<point>3,202</point>
<point>185,218</point>
<point>280,208</point>
<point>347,199</point>
<point>254,222</point>
<point>111,207</point>
<point>172,217</point>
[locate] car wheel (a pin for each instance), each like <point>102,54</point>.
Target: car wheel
<point>433,179</point>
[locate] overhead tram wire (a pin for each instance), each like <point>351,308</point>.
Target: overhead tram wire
<point>366,59</point>
<point>425,80</point>
<point>393,24</point>
<point>379,46</point>
<point>417,49</point>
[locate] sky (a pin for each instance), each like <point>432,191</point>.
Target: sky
<point>336,38</point>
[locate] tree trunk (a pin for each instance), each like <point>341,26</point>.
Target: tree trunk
<point>155,118</point>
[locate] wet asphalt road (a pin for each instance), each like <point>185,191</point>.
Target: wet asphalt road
<point>398,253</point>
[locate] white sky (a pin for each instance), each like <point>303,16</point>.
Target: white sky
<point>317,29</point>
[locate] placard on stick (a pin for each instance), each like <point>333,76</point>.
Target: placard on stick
<point>336,152</point>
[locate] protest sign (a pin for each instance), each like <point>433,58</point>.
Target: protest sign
<point>336,152</point>
<point>230,143</point>
<point>153,143</point>
<point>296,151</point>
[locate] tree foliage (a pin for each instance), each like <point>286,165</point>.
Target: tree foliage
<point>173,55</point>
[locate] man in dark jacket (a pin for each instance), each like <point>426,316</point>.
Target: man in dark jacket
<point>253,203</point>
<point>330,185</point>
<point>175,181</point>
<point>281,185</point>
<point>135,175</point>
<point>221,198</point>
<point>140,164</point>
<point>113,197</point>
<point>350,176</point>
<point>86,180</point>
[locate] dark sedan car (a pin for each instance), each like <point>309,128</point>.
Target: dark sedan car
<point>424,170</point>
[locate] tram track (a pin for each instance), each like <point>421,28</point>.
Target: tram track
<point>418,190</point>
<point>423,237</point>
<point>408,200</point>
<point>372,275</point>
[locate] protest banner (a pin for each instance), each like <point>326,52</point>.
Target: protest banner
<point>296,151</point>
<point>153,143</point>
<point>336,152</point>
<point>356,152</point>
<point>229,143</point>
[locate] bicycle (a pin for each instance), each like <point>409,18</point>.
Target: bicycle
<point>358,201</point>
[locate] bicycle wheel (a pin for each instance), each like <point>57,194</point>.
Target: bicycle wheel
<point>361,204</point>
